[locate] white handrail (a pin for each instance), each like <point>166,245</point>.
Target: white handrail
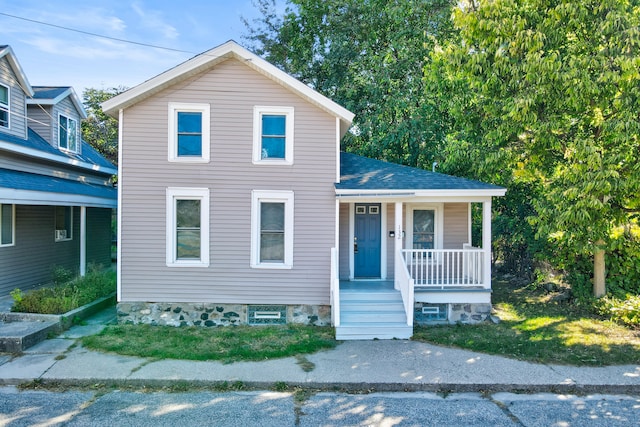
<point>335,288</point>
<point>405,283</point>
<point>443,268</point>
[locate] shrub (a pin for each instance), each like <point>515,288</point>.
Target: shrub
<point>621,310</point>
<point>63,297</point>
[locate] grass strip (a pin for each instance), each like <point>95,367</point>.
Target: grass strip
<point>225,344</point>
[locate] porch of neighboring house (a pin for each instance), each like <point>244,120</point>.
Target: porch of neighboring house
<point>397,264</point>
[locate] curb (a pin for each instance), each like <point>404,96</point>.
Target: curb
<point>355,388</point>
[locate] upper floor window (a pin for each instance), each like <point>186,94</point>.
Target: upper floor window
<point>189,132</point>
<point>4,106</point>
<point>64,223</point>
<point>68,133</point>
<point>7,224</point>
<point>273,135</point>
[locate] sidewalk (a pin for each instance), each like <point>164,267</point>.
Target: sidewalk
<point>392,365</point>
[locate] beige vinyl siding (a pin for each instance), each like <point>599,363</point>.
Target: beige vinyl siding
<point>31,260</point>
<point>43,122</point>
<point>232,89</point>
<point>17,102</point>
<point>456,225</point>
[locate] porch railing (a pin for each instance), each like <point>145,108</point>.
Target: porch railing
<point>335,288</point>
<point>445,268</point>
<point>404,283</point>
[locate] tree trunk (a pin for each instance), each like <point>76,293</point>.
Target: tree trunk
<point>599,289</point>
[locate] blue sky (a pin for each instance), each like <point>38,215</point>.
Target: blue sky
<point>56,57</point>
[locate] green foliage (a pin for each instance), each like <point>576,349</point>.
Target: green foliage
<point>99,129</point>
<point>547,94</point>
<point>64,297</point>
<point>227,344</point>
<point>61,275</point>
<point>622,310</point>
<point>366,55</point>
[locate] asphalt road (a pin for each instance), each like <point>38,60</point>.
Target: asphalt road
<point>267,408</point>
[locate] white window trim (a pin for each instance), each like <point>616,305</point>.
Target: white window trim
<point>173,194</point>
<point>439,223</point>
<point>258,111</point>
<point>286,197</point>
<point>7,106</point>
<point>78,143</point>
<point>13,227</point>
<point>70,232</point>
<point>205,109</point>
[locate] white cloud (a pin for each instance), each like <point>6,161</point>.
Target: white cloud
<point>153,20</point>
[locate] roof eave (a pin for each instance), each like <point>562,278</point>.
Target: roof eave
<point>17,69</point>
<point>485,192</point>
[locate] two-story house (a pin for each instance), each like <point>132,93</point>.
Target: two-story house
<point>237,206</point>
<point>56,195</point>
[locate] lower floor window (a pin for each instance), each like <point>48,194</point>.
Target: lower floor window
<point>188,227</point>
<point>272,229</point>
<point>7,224</point>
<point>64,223</point>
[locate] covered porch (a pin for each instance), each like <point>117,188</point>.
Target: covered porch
<point>404,237</point>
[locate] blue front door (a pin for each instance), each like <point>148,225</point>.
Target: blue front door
<point>366,243</point>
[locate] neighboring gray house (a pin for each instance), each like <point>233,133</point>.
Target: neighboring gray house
<point>237,206</point>
<point>56,196</point>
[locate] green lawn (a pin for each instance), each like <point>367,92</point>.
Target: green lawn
<point>226,344</point>
<point>533,327</point>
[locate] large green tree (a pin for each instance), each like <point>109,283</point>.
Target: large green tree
<point>367,55</point>
<point>99,129</point>
<point>548,96</point>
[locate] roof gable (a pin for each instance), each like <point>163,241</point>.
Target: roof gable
<point>365,174</point>
<point>210,59</point>
<point>6,51</point>
<point>52,95</point>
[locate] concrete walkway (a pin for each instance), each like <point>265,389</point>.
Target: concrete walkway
<point>392,365</point>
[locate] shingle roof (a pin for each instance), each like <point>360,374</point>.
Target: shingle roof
<point>36,142</point>
<point>362,173</point>
<point>34,182</point>
<point>45,92</point>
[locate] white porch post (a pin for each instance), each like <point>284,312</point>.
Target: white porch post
<point>398,240</point>
<point>83,240</point>
<point>486,242</point>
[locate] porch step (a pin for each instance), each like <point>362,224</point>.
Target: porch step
<point>369,331</point>
<point>372,314</point>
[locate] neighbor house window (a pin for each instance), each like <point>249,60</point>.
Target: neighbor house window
<point>272,229</point>
<point>273,135</point>
<point>68,133</point>
<point>64,222</point>
<point>189,132</point>
<point>4,106</point>
<point>187,227</point>
<point>7,225</point>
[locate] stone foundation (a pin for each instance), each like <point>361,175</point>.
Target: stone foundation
<point>462,313</point>
<point>210,314</point>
